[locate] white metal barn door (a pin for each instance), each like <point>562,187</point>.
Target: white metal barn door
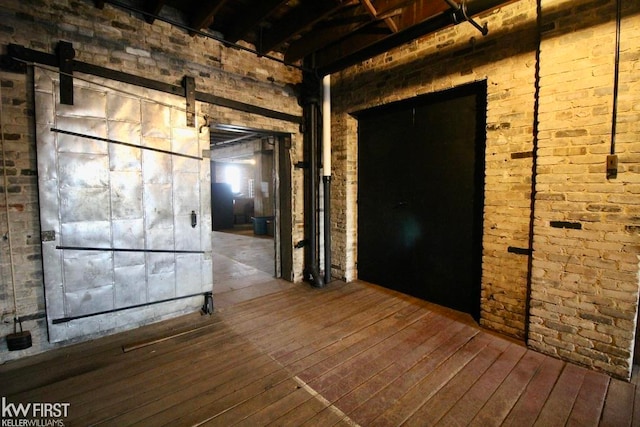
<point>124,206</point>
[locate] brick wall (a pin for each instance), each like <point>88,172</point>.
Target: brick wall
<point>585,280</point>
<point>584,286</point>
<point>114,39</point>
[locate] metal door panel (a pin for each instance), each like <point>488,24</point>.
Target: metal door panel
<point>86,103</point>
<point>123,108</point>
<point>128,291</point>
<point>157,168</point>
<point>156,121</point>
<point>126,195</point>
<point>87,301</point>
<point>125,159</point>
<point>186,189</point>
<point>129,259</point>
<point>182,141</point>
<point>92,234</point>
<point>83,170</point>
<point>110,213</point>
<point>87,270</point>
<point>86,126</point>
<point>74,206</point>
<point>124,132</point>
<point>128,233</point>
<point>188,269</point>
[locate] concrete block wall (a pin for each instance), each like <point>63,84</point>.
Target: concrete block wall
<point>115,39</point>
<point>584,287</point>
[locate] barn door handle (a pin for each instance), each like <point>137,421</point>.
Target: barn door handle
<point>194,219</point>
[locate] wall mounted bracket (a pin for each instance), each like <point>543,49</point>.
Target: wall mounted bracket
<point>459,15</point>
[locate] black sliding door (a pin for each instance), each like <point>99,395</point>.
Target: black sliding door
<point>420,196</point>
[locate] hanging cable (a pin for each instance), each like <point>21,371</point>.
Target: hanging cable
<point>6,206</point>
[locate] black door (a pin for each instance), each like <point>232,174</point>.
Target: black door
<point>420,196</point>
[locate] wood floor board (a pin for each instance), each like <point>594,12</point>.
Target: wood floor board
<point>355,371</point>
<point>350,344</point>
<point>618,407</point>
<point>590,400</point>
<point>557,408</point>
<point>194,401</point>
<point>208,406</point>
<point>340,329</point>
<point>497,408</point>
<point>152,383</point>
<point>438,404</point>
<point>465,409</point>
<point>344,355</point>
<point>526,410</point>
<point>442,349</point>
<point>433,337</point>
<point>119,366</point>
<point>416,396</point>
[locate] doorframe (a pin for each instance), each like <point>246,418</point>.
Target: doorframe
<point>282,167</point>
<point>480,89</point>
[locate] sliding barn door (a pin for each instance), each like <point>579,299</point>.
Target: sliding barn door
<point>124,206</point>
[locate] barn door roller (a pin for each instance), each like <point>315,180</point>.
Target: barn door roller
<point>459,14</point>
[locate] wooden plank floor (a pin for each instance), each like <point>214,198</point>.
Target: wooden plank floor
<point>348,354</point>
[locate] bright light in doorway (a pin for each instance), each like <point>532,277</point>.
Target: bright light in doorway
<point>232,177</point>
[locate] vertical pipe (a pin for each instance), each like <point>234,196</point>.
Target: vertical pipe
<point>326,125</point>
<point>310,102</point>
<point>326,172</point>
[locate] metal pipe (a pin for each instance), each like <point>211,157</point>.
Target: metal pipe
<point>313,193</point>
<point>326,172</point>
<point>327,228</point>
<point>616,78</point>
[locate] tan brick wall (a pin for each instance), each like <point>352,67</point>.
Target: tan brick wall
<point>114,39</point>
<point>585,282</point>
<point>455,56</point>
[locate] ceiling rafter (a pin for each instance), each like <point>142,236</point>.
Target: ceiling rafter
<point>420,11</point>
<point>336,33</point>
<point>153,7</point>
<point>204,15</point>
<point>370,8</point>
<point>248,22</point>
<point>352,19</point>
<point>296,21</point>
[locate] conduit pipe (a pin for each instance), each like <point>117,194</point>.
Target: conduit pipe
<point>310,101</point>
<point>326,172</point>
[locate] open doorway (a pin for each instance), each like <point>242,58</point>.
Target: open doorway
<point>250,196</point>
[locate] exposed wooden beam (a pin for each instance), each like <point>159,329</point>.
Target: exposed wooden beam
<point>251,20</point>
<point>374,14</point>
<point>203,16</point>
<point>297,20</point>
<point>352,19</point>
<point>153,7</point>
<point>419,12</point>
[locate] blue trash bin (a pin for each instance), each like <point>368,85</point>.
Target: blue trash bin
<point>260,225</point>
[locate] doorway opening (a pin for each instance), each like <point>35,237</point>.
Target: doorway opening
<point>421,196</point>
<point>250,204</point>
